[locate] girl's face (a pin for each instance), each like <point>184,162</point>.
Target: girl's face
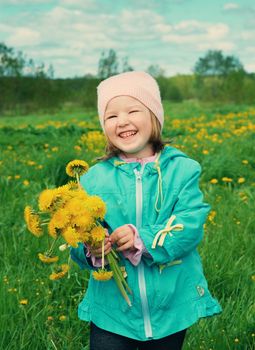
<point>127,124</point>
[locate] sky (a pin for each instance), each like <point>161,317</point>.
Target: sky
<point>72,34</point>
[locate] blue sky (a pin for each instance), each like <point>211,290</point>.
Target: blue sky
<point>71,34</point>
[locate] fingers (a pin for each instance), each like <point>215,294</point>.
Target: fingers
<point>125,246</point>
<point>123,236</point>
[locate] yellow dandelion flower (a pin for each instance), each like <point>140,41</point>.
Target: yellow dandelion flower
<point>253,278</point>
<point>245,161</point>
<point>96,206</point>
<point>23,302</point>
<point>241,180</point>
<point>212,215</point>
<point>33,221</point>
<point>213,181</point>
<point>52,229</point>
<point>84,235</point>
<point>62,318</point>
<point>227,179</point>
<point>47,259</point>
<point>74,206</point>
<point>71,236</point>
<point>72,185</point>
<point>17,177</point>
<point>25,182</point>
<point>48,199</point>
<point>62,271</point>
<point>61,218</point>
<point>80,194</point>
<point>97,235</point>
<point>84,219</point>
<point>78,167</point>
<point>205,151</point>
<point>102,275</point>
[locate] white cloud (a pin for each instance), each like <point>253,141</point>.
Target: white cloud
<point>250,67</point>
<point>231,6</point>
<point>248,35</point>
<point>24,37</point>
<point>200,34</point>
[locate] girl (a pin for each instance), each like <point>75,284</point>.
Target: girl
<point>155,216</point>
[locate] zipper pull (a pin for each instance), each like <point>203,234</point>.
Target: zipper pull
<point>138,175</point>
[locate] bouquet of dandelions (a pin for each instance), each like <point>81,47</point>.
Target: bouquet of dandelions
<point>69,214</point>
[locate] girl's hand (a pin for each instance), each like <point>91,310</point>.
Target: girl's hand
<point>123,236</point>
<point>97,252</point>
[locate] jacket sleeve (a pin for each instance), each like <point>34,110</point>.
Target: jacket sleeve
<point>190,211</point>
<point>78,255</point>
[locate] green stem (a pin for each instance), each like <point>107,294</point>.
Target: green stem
<point>119,272</point>
<point>117,280</point>
<point>52,245</point>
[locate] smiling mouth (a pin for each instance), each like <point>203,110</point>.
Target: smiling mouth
<point>127,134</point>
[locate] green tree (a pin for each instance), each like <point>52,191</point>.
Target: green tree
<point>219,77</point>
<point>215,64</point>
<point>108,64</point>
<point>11,64</point>
<point>156,71</point>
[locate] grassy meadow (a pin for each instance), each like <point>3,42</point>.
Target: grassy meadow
<point>37,313</point>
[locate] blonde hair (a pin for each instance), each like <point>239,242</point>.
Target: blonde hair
<point>155,140</point>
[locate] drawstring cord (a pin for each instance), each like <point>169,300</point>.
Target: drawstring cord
<point>161,235</point>
<point>159,185</point>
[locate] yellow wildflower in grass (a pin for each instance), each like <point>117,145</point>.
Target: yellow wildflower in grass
<point>76,167</point>
<point>253,278</point>
<point>97,235</point>
<point>23,302</point>
<point>48,200</point>
<point>50,318</point>
<point>71,236</point>
<point>205,151</point>
<point>227,179</point>
<point>62,271</point>
<point>245,161</point>
<point>47,259</point>
<point>62,318</point>
<point>241,180</point>
<point>213,181</point>
<point>26,182</point>
<point>77,148</point>
<point>96,206</point>
<point>102,275</point>
<point>212,215</point>
<point>33,221</point>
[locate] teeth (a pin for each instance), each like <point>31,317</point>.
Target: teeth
<point>127,134</point>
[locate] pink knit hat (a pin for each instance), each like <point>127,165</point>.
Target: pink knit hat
<point>139,85</point>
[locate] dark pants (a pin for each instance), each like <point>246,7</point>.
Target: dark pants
<point>104,340</point>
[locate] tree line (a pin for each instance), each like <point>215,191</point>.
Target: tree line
<point>27,87</point>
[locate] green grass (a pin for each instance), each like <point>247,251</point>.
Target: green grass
<point>227,250</point>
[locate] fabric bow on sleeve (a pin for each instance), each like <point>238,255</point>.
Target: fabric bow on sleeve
<point>161,235</point>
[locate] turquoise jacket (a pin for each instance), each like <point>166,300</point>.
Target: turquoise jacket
<point>170,292</point>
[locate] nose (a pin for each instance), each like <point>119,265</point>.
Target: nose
<point>123,119</point>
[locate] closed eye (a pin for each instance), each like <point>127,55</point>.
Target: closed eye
<point>111,116</point>
<point>133,111</point>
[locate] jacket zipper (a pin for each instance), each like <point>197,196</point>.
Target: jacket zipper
<point>141,278</point>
